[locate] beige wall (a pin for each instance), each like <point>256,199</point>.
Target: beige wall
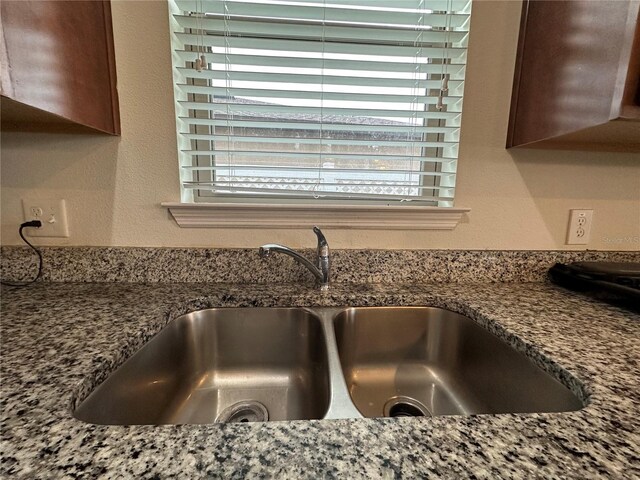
<point>114,186</point>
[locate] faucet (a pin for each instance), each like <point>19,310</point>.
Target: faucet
<point>323,258</point>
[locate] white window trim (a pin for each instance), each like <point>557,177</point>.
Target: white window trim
<point>253,215</point>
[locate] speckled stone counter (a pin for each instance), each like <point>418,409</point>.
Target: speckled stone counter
<point>242,265</point>
<point>59,340</point>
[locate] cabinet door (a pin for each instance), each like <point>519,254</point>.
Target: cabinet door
<point>58,65</point>
<point>577,76</point>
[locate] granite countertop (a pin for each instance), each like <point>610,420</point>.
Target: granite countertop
<point>59,340</point>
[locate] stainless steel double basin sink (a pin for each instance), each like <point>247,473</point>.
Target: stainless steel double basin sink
<point>264,364</point>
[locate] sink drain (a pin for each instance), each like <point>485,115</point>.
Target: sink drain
<point>405,407</point>
<point>246,411</point>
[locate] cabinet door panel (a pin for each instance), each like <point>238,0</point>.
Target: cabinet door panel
<point>576,76</point>
<point>60,60</point>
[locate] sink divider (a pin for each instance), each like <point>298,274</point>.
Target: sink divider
<point>340,404</point>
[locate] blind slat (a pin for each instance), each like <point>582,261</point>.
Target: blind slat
<point>301,78</point>
<point>240,108</point>
<point>325,127</point>
<point>370,65</point>
<point>309,182</point>
<point>276,170</point>
<point>274,14</point>
<point>289,45</point>
<point>315,141</point>
<point>341,12</point>
<point>272,28</point>
<point>417,98</point>
<point>411,5</point>
<point>313,156</point>
<point>314,193</point>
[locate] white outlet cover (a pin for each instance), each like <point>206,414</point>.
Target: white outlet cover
<point>53,218</point>
<point>579,231</point>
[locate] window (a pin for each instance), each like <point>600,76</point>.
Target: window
<point>306,100</point>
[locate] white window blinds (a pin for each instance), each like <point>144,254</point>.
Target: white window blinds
<point>334,99</point>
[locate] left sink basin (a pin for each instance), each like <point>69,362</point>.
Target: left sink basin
<point>220,365</point>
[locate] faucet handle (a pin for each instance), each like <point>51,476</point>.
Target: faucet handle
<point>322,241</point>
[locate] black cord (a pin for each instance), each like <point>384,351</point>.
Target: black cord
<point>37,224</point>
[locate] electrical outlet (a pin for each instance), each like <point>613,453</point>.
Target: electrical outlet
<point>579,227</point>
<point>51,212</point>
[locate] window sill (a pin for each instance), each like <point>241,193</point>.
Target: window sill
<point>239,215</point>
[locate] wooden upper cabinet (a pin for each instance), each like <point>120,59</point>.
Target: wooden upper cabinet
<point>576,82</point>
<point>58,66</point>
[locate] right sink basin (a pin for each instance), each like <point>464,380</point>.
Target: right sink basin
<point>408,361</point>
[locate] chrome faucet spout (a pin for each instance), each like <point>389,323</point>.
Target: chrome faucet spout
<point>266,250</point>
<point>321,271</point>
